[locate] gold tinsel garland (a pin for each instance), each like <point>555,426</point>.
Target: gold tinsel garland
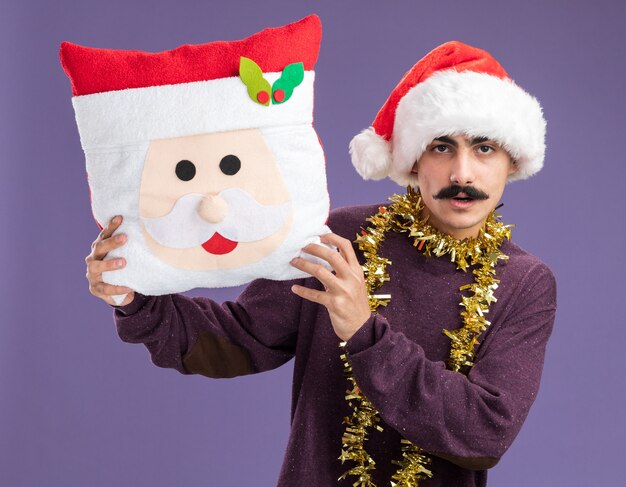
<point>404,215</point>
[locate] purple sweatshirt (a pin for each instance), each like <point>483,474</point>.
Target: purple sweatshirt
<point>398,357</point>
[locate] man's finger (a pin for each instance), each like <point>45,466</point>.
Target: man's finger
<point>113,225</point>
<point>104,290</point>
<point>105,246</point>
<point>345,247</point>
<point>334,258</point>
<point>322,274</point>
<point>314,295</point>
<point>96,267</point>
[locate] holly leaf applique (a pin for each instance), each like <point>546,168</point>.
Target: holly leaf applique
<point>259,88</point>
<point>283,87</point>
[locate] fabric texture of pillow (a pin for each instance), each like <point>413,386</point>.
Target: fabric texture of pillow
<point>208,152</point>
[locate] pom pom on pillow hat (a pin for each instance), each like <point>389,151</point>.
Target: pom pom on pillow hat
<point>209,153</point>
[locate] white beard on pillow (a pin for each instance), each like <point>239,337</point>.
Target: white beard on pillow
<point>219,180</point>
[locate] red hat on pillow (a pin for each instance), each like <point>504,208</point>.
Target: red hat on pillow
<point>123,97</point>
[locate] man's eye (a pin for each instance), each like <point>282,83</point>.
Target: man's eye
<point>185,170</point>
<point>230,165</point>
<point>485,149</point>
<point>441,148</point>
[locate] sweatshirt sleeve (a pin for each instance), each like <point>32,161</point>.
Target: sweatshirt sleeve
<point>196,335</point>
<point>470,420</point>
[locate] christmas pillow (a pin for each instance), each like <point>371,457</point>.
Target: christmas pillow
<point>209,153</point>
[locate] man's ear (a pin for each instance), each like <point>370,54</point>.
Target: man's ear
<point>513,166</point>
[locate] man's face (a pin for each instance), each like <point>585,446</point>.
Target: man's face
<point>479,166</point>
<point>213,201</point>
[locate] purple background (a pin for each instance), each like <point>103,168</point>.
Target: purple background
<point>79,407</point>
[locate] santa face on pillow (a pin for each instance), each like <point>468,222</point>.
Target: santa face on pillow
<point>209,154</point>
<point>213,201</point>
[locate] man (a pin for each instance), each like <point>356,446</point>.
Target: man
<point>444,406</point>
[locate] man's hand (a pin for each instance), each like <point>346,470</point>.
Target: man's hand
<point>345,297</point>
<point>96,265</point>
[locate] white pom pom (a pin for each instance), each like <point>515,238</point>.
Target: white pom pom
<point>371,155</point>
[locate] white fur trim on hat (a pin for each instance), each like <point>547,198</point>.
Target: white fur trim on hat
<point>371,154</point>
<point>470,103</point>
<point>127,117</point>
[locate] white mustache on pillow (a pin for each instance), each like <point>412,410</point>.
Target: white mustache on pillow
<point>246,220</point>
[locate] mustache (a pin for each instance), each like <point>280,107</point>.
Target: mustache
<point>455,189</point>
<point>246,220</point>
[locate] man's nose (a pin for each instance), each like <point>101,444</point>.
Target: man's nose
<point>213,208</point>
<point>462,170</point>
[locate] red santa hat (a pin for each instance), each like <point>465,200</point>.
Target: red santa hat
<point>454,89</point>
<point>125,97</point>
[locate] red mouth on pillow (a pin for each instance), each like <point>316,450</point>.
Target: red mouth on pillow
<point>219,245</point>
